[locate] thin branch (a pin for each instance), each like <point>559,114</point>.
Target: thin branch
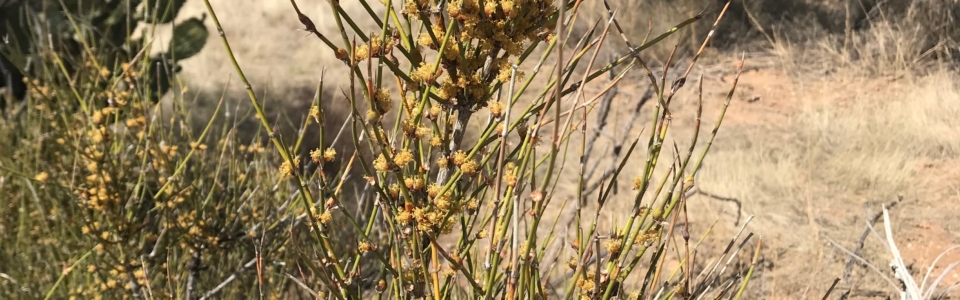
<point>229,279</point>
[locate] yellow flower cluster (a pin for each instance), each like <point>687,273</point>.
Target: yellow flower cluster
<point>469,168</point>
<point>401,159</point>
<point>315,113</point>
<point>647,238</point>
<point>327,155</point>
<point>410,129</point>
<point>496,108</point>
<point>508,174</point>
<point>489,34</point>
<point>383,101</point>
<point>587,283</point>
<point>429,219</point>
<point>613,246</point>
<point>366,247</point>
<point>287,169</point>
<point>414,184</point>
<point>252,149</point>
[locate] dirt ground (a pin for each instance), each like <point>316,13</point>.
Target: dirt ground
<point>811,155</point>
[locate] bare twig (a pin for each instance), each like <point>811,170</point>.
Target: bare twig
<point>736,201</point>
<point>862,261</point>
<point>830,290</point>
<point>710,278</point>
<point>302,285</point>
<point>848,268</point>
<point>229,279</point>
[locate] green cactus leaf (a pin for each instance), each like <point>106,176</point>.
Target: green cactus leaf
<point>160,11</point>
<point>189,38</point>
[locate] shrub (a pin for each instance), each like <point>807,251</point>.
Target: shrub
<point>128,199</point>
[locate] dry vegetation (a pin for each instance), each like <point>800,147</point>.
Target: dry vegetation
<point>843,107</point>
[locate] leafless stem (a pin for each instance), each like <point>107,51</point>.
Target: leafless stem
<point>229,279</point>
<point>848,268</point>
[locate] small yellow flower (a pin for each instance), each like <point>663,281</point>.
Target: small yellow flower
<point>433,113</point>
<point>410,7</point>
<point>447,90</point>
<point>383,100</point>
<point>422,131</point>
<point>469,168</point>
<point>198,146</point>
<point>572,263</point>
<point>42,177</point>
<point>443,162</point>
<point>329,154</point>
<point>425,73</point>
<point>496,108</point>
<point>613,246</point>
<point>472,206</point>
<point>372,115</point>
<point>507,6</point>
<point>326,217</point>
<point>315,113</point>
<point>362,52</point>
<point>394,191</point>
<point>414,184</point>
<point>433,190</point>
<point>97,117</point>
<point>459,157</point>
<point>139,273</point>
<point>287,169</point>
<point>489,8</point>
<point>315,155</point>
<point>380,164</point>
<point>403,158</point>
<point>454,10</point>
<point>403,217</point>
<point>366,247</point>
<point>448,272</point>
<point>510,179</point>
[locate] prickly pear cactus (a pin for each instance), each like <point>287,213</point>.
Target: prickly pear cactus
<point>111,27</point>
<point>159,11</point>
<point>189,37</point>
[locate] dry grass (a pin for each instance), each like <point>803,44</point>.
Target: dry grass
<point>847,143</point>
